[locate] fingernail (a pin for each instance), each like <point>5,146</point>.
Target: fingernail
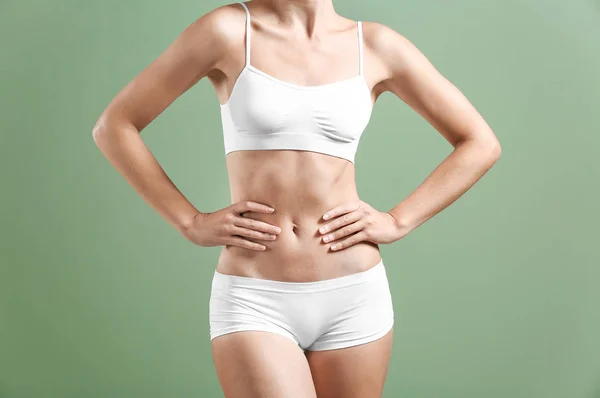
<point>272,236</point>
<point>326,239</point>
<point>270,209</point>
<point>322,229</point>
<point>277,230</point>
<point>334,247</point>
<point>326,216</point>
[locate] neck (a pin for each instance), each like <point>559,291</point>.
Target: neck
<point>309,13</point>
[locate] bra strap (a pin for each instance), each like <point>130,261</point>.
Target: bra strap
<point>360,49</point>
<point>247,33</point>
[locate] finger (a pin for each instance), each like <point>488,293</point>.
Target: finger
<point>339,222</point>
<point>342,209</point>
<point>247,205</point>
<point>256,225</point>
<point>246,244</point>
<point>249,233</point>
<point>343,232</point>
<point>352,240</point>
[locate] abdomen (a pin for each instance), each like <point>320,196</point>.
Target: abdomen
<point>301,186</point>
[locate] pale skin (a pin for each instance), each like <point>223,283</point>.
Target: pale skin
<point>294,215</point>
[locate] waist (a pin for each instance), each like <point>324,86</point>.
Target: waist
<point>299,253</point>
<point>301,187</point>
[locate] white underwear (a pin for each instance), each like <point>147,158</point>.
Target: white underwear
<point>322,315</point>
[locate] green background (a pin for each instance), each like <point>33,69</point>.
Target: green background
<point>495,297</point>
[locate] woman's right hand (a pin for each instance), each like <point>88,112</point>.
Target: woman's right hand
<point>228,227</point>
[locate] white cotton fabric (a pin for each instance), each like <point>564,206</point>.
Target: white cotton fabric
<point>321,315</point>
<point>264,112</point>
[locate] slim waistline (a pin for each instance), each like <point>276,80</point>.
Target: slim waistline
<point>221,280</point>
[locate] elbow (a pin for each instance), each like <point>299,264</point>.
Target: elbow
<point>486,149</point>
<point>495,150</point>
<point>109,128</point>
<point>99,131</point>
<point>490,151</point>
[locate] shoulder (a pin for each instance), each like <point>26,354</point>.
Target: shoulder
<point>221,27</point>
<point>389,46</point>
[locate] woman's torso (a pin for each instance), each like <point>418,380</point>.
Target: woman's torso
<point>301,185</point>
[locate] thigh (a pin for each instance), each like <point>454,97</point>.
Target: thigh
<point>257,364</point>
<point>353,372</point>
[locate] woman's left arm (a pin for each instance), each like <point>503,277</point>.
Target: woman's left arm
<point>408,74</point>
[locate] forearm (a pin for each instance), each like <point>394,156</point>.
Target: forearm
<point>126,151</point>
<point>467,163</point>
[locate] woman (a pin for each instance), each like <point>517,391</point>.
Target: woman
<point>300,304</point>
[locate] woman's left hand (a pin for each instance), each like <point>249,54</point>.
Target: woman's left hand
<point>357,222</point>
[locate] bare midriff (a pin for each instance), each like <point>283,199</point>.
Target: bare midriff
<point>301,186</point>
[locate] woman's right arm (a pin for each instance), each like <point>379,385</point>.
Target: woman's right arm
<point>198,51</point>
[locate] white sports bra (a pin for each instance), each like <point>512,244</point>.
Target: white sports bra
<point>265,113</point>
